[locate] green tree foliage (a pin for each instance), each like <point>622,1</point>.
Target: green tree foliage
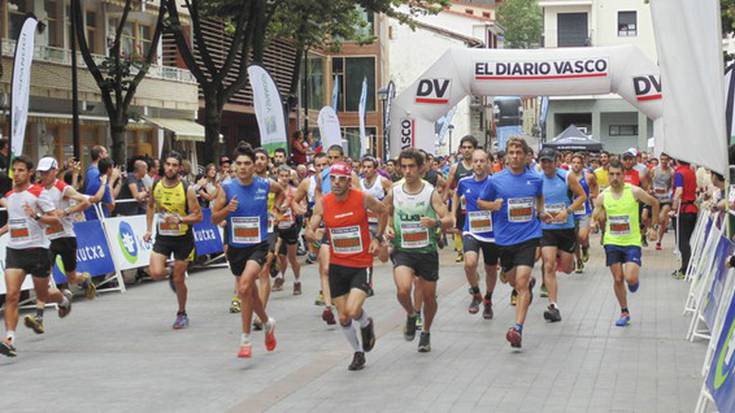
<point>522,21</point>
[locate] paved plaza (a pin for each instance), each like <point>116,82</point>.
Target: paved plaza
<point>119,353</point>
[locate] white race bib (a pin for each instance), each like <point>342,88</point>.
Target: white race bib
<point>171,230</point>
<point>346,240</point>
<point>619,225</point>
<point>413,235</point>
<point>480,221</point>
<point>245,230</point>
<point>520,210</point>
<point>581,211</point>
<point>555,210</point>
<point>19,230</point>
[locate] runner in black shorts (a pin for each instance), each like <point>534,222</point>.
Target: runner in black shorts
<point>288,227</point>
<point>458,171</point>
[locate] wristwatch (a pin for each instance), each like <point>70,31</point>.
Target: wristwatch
<point>38,216</point>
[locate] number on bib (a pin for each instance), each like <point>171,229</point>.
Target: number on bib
<point>346,240</point>
<point>413,235</point>
<point>619,225</point>
<point>480,221</point>
<point>246,230</point>
<point>19,230</point>
<point>520,210</point>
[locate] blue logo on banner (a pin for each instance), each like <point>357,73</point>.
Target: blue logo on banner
<point>207,238</point>
<point>93,254</point>
<point>721,380</point>
<point>126,239</point>
<point>714,296</point>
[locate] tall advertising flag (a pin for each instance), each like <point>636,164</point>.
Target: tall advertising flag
<point>329,128</point>
<point>361,113</point>
<point>268,109</point>
<point>335,93</point>
<point>21,85</point>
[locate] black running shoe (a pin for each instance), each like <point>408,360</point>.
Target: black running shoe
<point>358,361</point>
<point>7,349</point>
<point>409,331</point>
<point>552,314</point>
<point>487,311</point>
<point>424,343</point>
<point>474,307</point>
<point>368,336</point>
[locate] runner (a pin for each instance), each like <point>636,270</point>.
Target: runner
<point>458,171</point>
<point>27,251</point>
<point>515,195</point>
<point>345,214</point>
<point>601,172</point>
<point>307,190</point>
<point>415,208</point>
<point>288,226</point>
<point>374,184</point>
<point>582,215</point>
<point>616,209</point>
<point>243,204</point>
<point>268,270</point>
<point>663,183</point>
<point>559,239</point>
<point>176,209</point>
<point>477,235</point>
<point>63,239</point>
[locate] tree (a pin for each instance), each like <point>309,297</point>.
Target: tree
<point>118,75</point>
<point>522,20</point>
<point>727,13</point>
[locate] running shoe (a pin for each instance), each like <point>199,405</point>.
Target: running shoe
<point>296,288</point>
<point>441,242</point>
<point>460,257</point>
<point>424,343</point>
<point>319,299</point>
<point>513,297</point>
<point>552,314</point>
<point>514,337</point>
<point>300,251</point>
<point>270,334</point>
<point>585,254</point>
<point>257,325</point>
<point>278,284</point>
<point>634,287</point>
<point>503,278</point>
<point>487,310</point>
<point>246,350</point>
<point>658,246</point>
<point>623,321</point>
<point>90,290</point>
<point>409,331</point>
<point>64,310</point>
<point>182,321</point>
<point>543,291</point>
<point>368,335</point>
<point>358,361</point>
<point>7,349</point>
<point>34,323</point>
<point>273,269</point>
<point>419,321</point>
<point>235,305</point>
<point>579,268</point>
<point>474,307</point>
<point>310,258</point>
<point>328,316</point>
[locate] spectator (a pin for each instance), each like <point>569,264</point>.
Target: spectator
<point>133,188</point>
<point>4,154</point>
<point>224,168</point>
<point>99,189</point>
<point>685,196</point>
<point>206,187</point>
<point>279,157</point>
<point>300,148</point>
<point>186,172</point>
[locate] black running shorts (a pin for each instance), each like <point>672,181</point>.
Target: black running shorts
<point>181,247</point>
<point>34,261</point>
<point>343,279</point>
<point>564,239</point>
<point>423,264</point>
<point>238,257</point>
<point>524,254</point>
<point>490,250</point>
<point>66,248</point>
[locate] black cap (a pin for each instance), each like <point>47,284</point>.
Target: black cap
<point>547,154</point>
<point>224,159</point>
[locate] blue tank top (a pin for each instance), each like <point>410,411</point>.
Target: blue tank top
<point>326,182</point>
<point>248,225</point>
<point>556,198</point>
<point>587,205</point>
<point>478,223</point>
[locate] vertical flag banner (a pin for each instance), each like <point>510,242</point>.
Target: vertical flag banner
<point>361,113</point>
<point>444,122</point>
<point>268,109</point>
<point>335,93</point>
<point>329,128</point>
<point>21,85</point>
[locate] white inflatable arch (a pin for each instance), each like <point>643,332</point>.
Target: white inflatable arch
<point>624,70</point>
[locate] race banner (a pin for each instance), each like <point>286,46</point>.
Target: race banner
<point>207,237</point>
<point>93,254</point>
<point>268,109</point>
<point>714,295</point>
<point>27,283</point>
<point>126,241</point>
<point>329,129</point>
<point>21,85</point>
<point>721,377</point>
<point>361,113</point>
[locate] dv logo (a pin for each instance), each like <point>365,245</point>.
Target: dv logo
<point>435,91</point>
<point>647,87</point>
<point>128,244</point>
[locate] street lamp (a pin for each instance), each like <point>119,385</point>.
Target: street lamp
<point>386,95</point>
<point>451,129</point>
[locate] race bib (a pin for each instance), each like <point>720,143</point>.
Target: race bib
<point>619,225</point>
<point>246,230</point>
<point>54,229</point>
<point>19,230</point>
<point>286,221</point>
<point>480,221</point>
<point>463,204</point>
<point>346,240</point>
<point>413,235</point>
<point>171,230</point>
<point>372,218</point>
<point>520,210</point>
<point>555,210</point>
<point>661,192</point>
<point>581,210</point>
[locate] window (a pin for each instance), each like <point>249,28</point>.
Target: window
<point>623,130</point>
<point>572,30</point>
<point>627,24</point>
<point>52,22</point>
<point>135,39</point>
<point>350,72</point>
<point>486,14</point>
<point>315,83</point>
<point>17,10</point>
<point>91,28</point>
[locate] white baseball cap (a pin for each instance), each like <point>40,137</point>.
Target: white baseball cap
<point>46,164</point>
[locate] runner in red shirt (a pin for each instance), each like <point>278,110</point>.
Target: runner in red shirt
<point>345,214</point>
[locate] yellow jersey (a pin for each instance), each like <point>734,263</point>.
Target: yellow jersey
<point>171,200</point>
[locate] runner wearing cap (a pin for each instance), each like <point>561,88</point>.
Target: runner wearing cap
<point>345,214</point>
<point>27,251</point>
<point>616,208</point>
<point>63,239</point>
<point>243,204</point>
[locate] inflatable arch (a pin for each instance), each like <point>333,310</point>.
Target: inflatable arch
<point>624,70</point>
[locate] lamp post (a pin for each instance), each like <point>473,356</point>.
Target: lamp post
<point>451,129</point>
<point>386,95</point>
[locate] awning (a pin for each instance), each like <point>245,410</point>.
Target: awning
<point>185,130</point>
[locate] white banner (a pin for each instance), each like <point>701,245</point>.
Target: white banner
<point>21,84</point>
<point>126,241</point>
<point>335,93</point>
<point>268,109</point>
<point>361,114</point>
<point>27,283</point>
<point>329,128</point>
<point>689,46</point>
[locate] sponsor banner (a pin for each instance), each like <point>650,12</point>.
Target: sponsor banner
<point>714,296</point>
<point>268,109</point>
<point>93,254</point>
<point>361,113</point>
<point>721,378</point>
<point>647,87</point>
<point>126,241</point>
<point>21,84</point>
<point>433,91</point>
<point>27,283</point>
<point>329,129</point>
<point>207,237</point>
<point>408,133</point>
<point>581,68</point>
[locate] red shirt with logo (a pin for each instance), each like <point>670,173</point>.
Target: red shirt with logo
<point>685,178</point>
<point>633,177</point>
<point>346,223</point>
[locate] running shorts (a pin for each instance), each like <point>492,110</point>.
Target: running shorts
<point>66,248</point>
<point>515,255</point>
<point>343,279</point>
<point>564,239</point>
<point>490,250</point>
<point>423,264</point>
<point>621,255</point>
<point>34,261</point>
<point>238,257</point>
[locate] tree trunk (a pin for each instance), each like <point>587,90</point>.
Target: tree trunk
<point>117,133</point>
<point>212,126</point>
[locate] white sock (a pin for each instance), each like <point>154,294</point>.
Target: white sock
<point>270,324</point>
<point>244,339</point>
<point>10,335</point>
<point>351,334</point>
<point>297,281</point>
<point>64,302</point>
<point>363,319</point>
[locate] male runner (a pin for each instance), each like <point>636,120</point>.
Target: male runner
<point>477,234</point>
<point>176,208</point>
<point>62,236</point>
<point>458,171</point>
<point>243,204</point>
<point>288,226</point>
<point>374,184</point>
<point>582,215</point>
<point>559,239</point>
<point>634,175</point>
<point>601,172</point>
<point>616,209</point>
<point>269,269</point>
<point>307,190</point>
<point>515,195</point>
<point>415,208</point>
<point>663,183</point>
<point>27,250</point>
<point>345,214</point>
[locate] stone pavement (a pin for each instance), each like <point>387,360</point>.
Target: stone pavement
<point>119,353</point>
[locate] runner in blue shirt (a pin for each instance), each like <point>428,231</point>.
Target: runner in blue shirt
<point>477,234</point>
<point>516,198</point>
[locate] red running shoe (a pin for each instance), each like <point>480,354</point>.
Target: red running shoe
<point>328,316</point>
<point>658,246</point>
<point>246,350</point>
<point>514,337</point>
<point>270,334</point>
